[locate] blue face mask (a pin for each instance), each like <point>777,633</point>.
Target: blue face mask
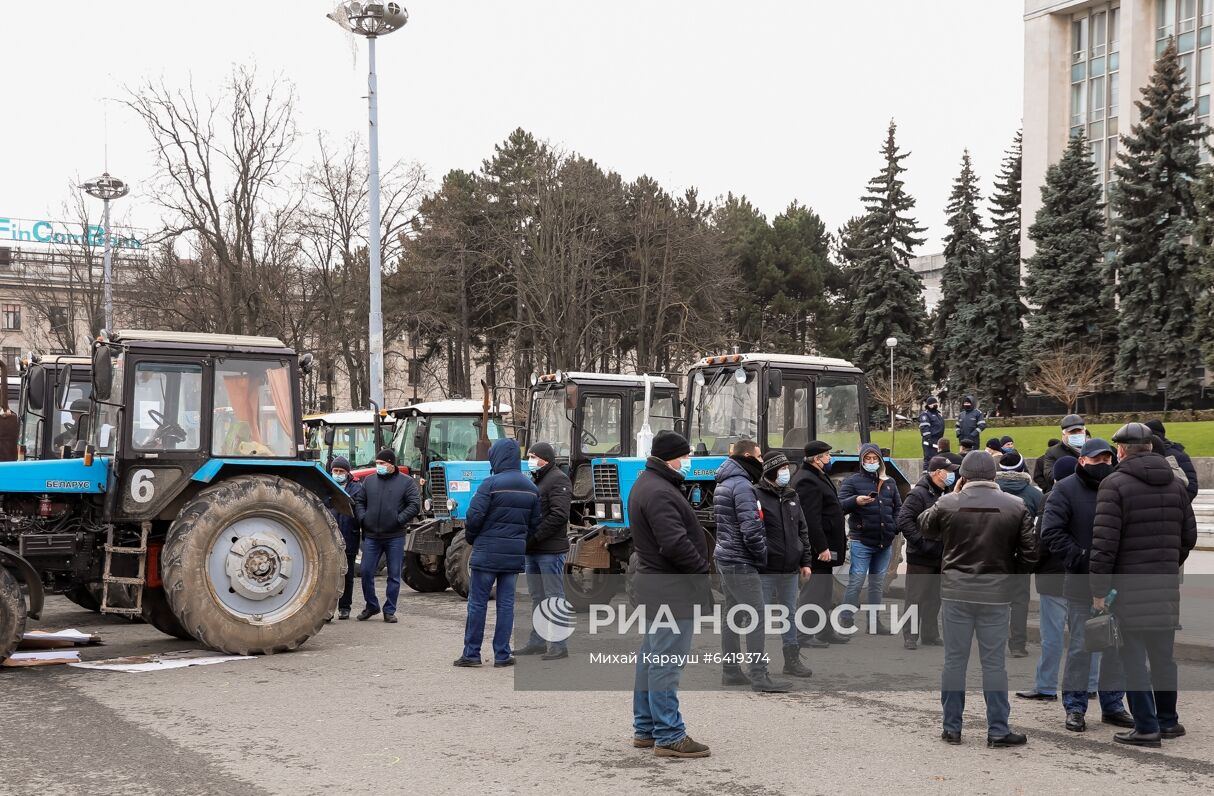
<point>829,464</point>
<point>1076,441</point>
<point>872,467</point>
<point>382,469</point>
<point>685,467</point>
<point>950,479</point>
<point>340,478</point>
<point>783,477</point>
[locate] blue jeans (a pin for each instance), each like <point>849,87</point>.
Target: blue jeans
<point>1053,625</point>
<point>1152,696</point>
<point>1086,671</point>
<point>394,548</point>
<point>655,694</point>
<point>743,587</point>
<point>783,589</point>
<point>870,561</point>
<point>545,579</point>
<point>478,606</point>
<point>963,622</point>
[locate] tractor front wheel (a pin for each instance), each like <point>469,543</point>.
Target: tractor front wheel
<point>253,565</point>
<point>458,565</point>
<point>12,614</point>
<point>424,573</point>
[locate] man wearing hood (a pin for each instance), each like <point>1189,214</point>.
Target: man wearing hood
<point>549,545</point>
<point>1074,435</point>
<point>1014,479</point>
<point>1066,529</point>
<point>1143,532</point>
<point>503,514</point>
<point>351,536</point>
<point>825,521</point>
<point>741,553</point>
<point>971,422</point>
<point>871,500</point>
<point>923,555</point>
<point>931,427</point>
<point>1176,450</point>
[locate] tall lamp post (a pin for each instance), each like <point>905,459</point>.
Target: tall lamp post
<point>372,20</point>
<point>891,343</point>
<point>107,189</point>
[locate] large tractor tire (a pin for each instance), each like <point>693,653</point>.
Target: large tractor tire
<point>12,614</point>
<point>424,573</point>
<point>585,587</point>
<point>458,565</point>
<point>253,565</point>
<point>86,595</point>
<point>158,614</point>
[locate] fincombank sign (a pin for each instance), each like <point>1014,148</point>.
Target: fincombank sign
<point>41,231</point>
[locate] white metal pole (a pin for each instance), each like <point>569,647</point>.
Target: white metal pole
<point>105,267</point>
<point>891,394</point>
<point>376,330</point>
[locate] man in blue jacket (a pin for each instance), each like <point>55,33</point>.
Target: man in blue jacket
<point>504,512</point>
<point>931,427</point>
<point>388,502</point>
<point>348,525</point>
<point>971,422</point>
<point>871,501</point>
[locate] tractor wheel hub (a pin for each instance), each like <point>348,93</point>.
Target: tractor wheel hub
<point>258,565</point>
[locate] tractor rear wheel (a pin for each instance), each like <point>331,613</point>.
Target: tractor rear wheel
<point>585,586</point>
<point>253,565</point>
<point>158,614</point>
<point>458,565</point>
<point>424,573</point>
<point>86,595</point>
<point>12,614</point>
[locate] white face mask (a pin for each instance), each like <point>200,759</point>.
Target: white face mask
<point>783,477</point>
<point>1076,441</point>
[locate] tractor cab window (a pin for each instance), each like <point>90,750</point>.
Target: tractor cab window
<point>356,443</point>
<point>408,452</point>
<point>103,430</point>
<point>550,421</point>
<point>788,415</point>
<point>254,414</point>
<point>31,433</point>
<point>166,407</point>
<point>838,413</point>
<point>453,438</point>
<point>662,409</point>
<point>601,430</point>
<point>67,415</point>
<point>724,409</point>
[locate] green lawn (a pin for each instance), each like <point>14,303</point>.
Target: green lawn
<point>1198,438</point>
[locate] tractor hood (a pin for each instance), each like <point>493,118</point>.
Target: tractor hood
<point>71,476</point>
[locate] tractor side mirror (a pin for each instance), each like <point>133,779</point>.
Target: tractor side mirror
<point>103,372</point>
<point>330,435</point>
<point>570,397</point>
<point>63,380</point>
<point>775,383</point>
<point>419,436</point>
<point>37,387</point>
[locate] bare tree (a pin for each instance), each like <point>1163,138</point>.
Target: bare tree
<point>1068,375</point>
<point>903,397</point>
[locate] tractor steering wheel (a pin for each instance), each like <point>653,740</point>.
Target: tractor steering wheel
<point>167,435</point>
<point>589,439</point>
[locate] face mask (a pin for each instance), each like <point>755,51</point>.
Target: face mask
<point>1076,440</point>
<point>340,478</point>
<point>533,463</point>
<point>967,407</point>
<point>933,408</point>
<point>783,477</point>
<point>950,479</point>
<point>382,469</point>
<point>871,467</point>
<point>1098,471</point>
<point>685,467</point>
<point>1009,449</point>
<point>827,465</point>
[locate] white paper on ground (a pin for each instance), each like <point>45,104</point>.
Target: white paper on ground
<point>49,656</point>
<point>72,634</point>
<point>161,662</point>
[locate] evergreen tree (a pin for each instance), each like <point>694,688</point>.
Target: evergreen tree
<point>887,294</point>
<point>1204,198</point>
<point>957,324</point>
<point>1065,281</point>
<point>1000,364</point>
<point>1154,219</point>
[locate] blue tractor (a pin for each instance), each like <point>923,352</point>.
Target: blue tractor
<point>782,401</point>
<point>192,471</point>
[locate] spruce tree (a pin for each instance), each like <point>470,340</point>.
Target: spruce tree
<point>957,324</point>
<point>887,294</point>
<point>1000,366</point>
<point>1154,210</point>
<point>1204,237</point>
<point>1065,279</point>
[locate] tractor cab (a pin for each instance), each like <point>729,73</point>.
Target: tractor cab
<point>54,398</point>
<point>443,431</point>
<point>357,436</point>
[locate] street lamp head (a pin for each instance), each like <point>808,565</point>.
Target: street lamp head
<point>369,19</point>
<point>891,341</point>
<point>106,187</point>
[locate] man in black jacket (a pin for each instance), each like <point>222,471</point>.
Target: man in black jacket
<point>923,555</point>
<point>670,557</point>
<point>1143,532</point>
<point>971,422</point>
<point>1074,435</point>
<point>827,530</point>
<point>548,546</point>
<point>1182,458</point>
<point>987,536</point>
<point>388,502</point>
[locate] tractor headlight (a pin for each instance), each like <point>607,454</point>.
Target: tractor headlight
<point>451,504</point>
<point>428,504</point>
<point>600,511</point>
<point>617,511</point>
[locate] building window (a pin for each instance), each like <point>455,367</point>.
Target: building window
<point>1192,23</point>
<point>10,317</point>
<point>1095,81</point>
<point>11,360</point>
<point>57,317</point>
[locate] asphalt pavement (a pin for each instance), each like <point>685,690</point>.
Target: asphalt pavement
<point>377,708</point>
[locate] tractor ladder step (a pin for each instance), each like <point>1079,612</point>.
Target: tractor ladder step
<point>135,583</point>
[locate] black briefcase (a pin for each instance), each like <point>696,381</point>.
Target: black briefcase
<point>1102,632</point>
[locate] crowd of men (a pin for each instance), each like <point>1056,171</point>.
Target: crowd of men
<point>1092,518</point>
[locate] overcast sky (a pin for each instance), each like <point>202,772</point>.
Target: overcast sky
<point>775,100</point>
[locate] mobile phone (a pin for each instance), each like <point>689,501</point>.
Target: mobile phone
<point>834,555</point>
<point>872,495</point>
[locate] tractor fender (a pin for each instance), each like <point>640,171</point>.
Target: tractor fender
<point>25,573</point>
<point>310,475</point>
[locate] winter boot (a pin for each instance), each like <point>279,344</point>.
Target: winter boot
<point>793,666</point>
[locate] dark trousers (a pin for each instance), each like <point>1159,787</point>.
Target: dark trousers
<point>1076,677</point>
<point>930,449</point>
<point>394,550</point>
<point>1018,630</point>
<point>1152,695</point>
<point>819,591</point>
<point>923,592</point>
<point>743,588</point>
<point>347,594</point>
<point>964,622</point>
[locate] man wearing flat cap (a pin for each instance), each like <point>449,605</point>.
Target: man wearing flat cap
<point>825,521</point>
<point>1143,531</point>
